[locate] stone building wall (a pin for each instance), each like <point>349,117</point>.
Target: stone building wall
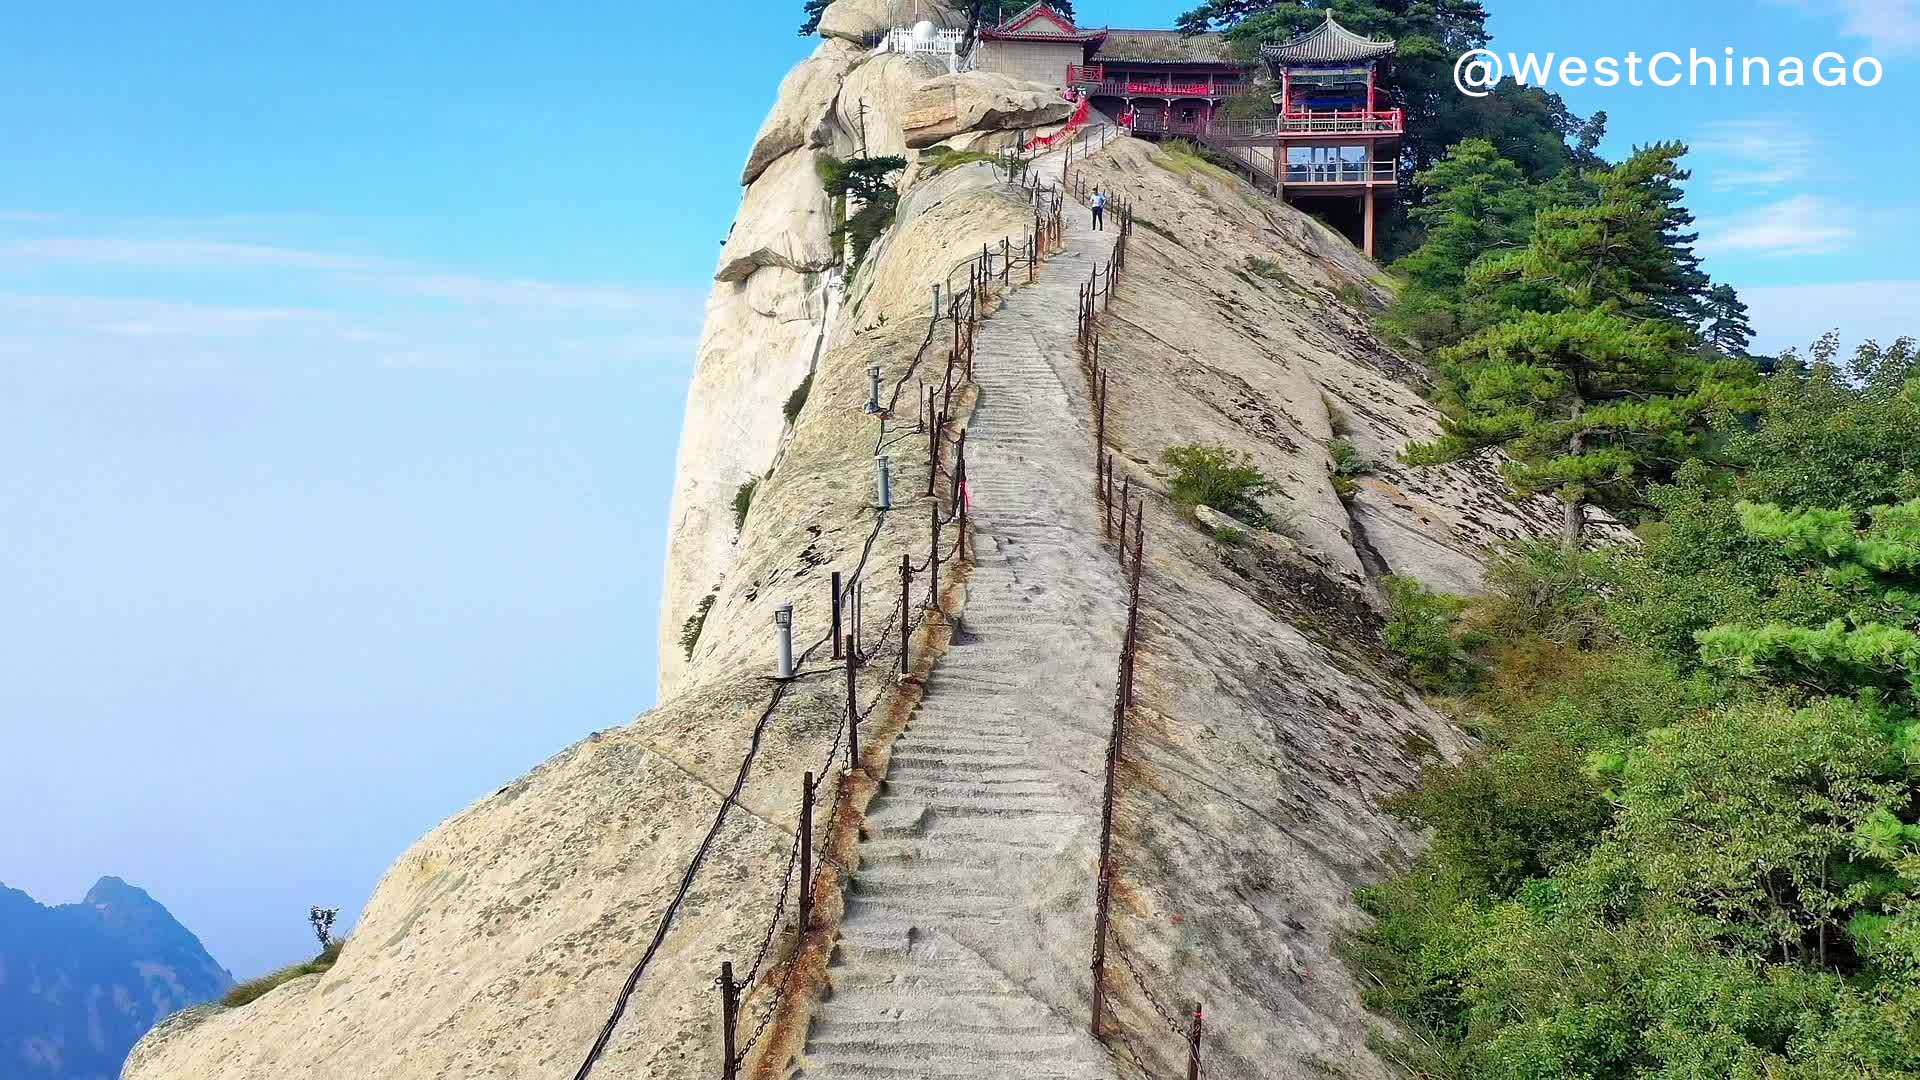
<point>1036,61</point>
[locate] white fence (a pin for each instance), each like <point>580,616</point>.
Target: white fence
<point>944,44</point>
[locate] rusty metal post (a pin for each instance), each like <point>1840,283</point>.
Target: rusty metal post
<point>933,556</point>
<point>806,853</point>
<point>960,497</point>
<point>1193,1046</point>
<point>1126,503</point>
<point>729,1014</point>
<point>906,608</point>
<point>1108,497</point>
<point>836,614</point>
<point>853,707</point>
<point>1006,260</point>
<point>1139,541</point>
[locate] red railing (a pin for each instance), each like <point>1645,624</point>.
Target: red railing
<point>1354,122</point>
<point>1130,88</point>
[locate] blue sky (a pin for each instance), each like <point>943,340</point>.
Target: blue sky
<point>342,356</point>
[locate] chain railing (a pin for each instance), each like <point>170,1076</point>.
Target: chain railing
<point>1096,295</point>
<point>963,306</point>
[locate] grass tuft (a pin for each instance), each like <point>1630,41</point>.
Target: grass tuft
<point>253,989</point>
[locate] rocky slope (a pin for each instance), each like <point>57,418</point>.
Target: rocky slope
<point>1268,729</point>
<point>79,983</point>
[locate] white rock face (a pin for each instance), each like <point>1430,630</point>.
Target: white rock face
<point>861,20</point>
<point>1270,726</point>
<point>979,101</point>
<point>805,95</point>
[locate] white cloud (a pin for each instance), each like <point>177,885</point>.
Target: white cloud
<point>1891,27</point>
<point>117,316</point>
<point>390,275</point>
<point>1801,225</point>
<point>1757,154</point>
<point>1794,315</point>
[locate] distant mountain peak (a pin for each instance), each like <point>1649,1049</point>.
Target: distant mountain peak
<point>128,958</point>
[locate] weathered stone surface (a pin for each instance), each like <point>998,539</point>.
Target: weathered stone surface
<point>861,20</point>
<point>495,946</point>
<point>805,97</point>
<point>950,105</point>
<point>885,84</point>
<point>784,220</point>
<point>1269,728</point>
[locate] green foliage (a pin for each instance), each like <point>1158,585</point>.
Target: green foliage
<point>1272,271</point>
<point>1588,382</point>
<point>1345,463</point>
<point>1475,203</point>
<point>1185,156</point>
<point>1690,844</point>
<point>938,159</point>
<point>253,989</point>
<point>1217,477</point>
<point>696,622</point>
<point>798,399</point>
<point>1423,629</point>
<point>743,501</point>
<point>1727,330</point>
<point>866,182</point>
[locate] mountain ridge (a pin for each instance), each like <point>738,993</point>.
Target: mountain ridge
<point>81,982</point>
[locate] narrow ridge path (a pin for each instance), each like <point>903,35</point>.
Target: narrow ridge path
<point>966,941</point>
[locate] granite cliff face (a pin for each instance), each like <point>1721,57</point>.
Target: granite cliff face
<point>1268,728</point>
<point>79,983</point>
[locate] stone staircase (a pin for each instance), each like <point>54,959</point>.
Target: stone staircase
<point>966,941</point>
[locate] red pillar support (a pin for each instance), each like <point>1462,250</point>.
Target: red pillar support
<point>1368,234</point>
<point>1370,91</point>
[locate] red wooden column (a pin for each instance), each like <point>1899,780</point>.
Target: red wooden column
<point>1370,91</point>
<point>1369,215</point>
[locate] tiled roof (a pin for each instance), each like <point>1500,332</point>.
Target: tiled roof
<point>1328,43</point>
<point>1164,47</point>
<point>1021,27</point>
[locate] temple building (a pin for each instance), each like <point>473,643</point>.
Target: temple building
<point>1329,144</point>
<point>1334,148</point>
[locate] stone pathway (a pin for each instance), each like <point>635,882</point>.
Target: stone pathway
<point>966,942</point>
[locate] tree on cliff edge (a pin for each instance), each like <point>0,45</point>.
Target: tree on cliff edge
<point>1590,384</point>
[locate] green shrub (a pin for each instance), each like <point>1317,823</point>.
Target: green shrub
<point>252,989</point>
<point>867,181</point>
<point>696,622</point>
<point>939,159</point>
<point>743,501</point>
<point>798,399</point>
<point>1346,463</point>
<point>1424,629</point>
<point>1230,536</point>
<point>1217,477</point>
<point>1184,156</point>
<point>1271,270</point>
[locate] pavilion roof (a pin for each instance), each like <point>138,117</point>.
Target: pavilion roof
<point>1328,43</point>
<point>1165,47</point>
<point>1040,21</point>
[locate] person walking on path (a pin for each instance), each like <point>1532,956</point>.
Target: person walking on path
<point>1099,210</point>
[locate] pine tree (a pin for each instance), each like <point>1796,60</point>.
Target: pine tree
<point>1476,202</point>
<point>1727,330</point>
<point>1589,387</point>
<point>811,10</point>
